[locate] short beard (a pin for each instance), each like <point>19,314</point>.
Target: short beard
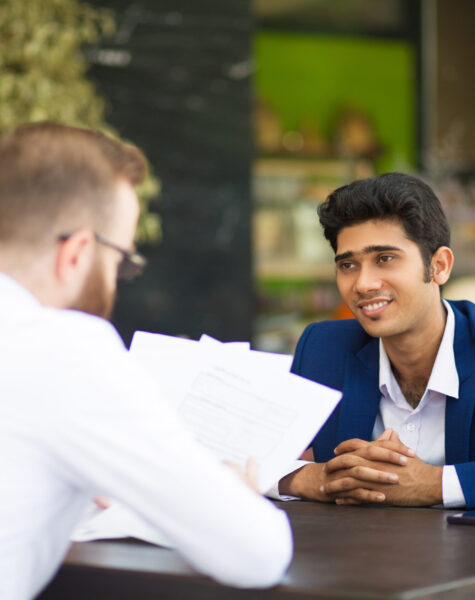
<point>95,298</point>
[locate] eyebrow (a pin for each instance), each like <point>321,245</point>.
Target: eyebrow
<point>367,250</point>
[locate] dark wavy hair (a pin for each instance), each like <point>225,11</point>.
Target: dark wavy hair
<point>392,196</point>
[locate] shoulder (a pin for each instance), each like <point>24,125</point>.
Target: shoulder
<point>63,348</point>
<point>326,335</point>
<point>76,330</point>
<point>464,313</point>
<point>322,350</point>
<point>463,306</point>
<point>77,365</point>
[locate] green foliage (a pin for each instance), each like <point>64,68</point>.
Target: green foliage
<point>43,73</point>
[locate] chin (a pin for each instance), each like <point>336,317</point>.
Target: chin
<point>377,328</point>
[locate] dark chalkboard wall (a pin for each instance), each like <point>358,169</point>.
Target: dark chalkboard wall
<point>176,77</point>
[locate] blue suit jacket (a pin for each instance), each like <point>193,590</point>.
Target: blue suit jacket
<point>342,355</point>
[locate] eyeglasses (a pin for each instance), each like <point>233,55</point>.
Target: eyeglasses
<point>132,263</point>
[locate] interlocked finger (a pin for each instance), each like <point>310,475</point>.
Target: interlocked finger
<point>356,444</point>
<point>374,458</point>
<point>360,496</point>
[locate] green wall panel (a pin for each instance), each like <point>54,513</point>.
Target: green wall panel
<point>306,76</point>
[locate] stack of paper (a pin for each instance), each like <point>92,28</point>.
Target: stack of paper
<point>238,402</point>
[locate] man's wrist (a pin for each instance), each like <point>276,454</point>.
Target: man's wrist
<point>304,483</point>
<point>426,490</point>
<point>435,489</point>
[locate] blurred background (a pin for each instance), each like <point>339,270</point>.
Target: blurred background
<point>251,112</point>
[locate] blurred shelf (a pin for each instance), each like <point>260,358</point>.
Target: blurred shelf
<point>329,168</point>
<point>293,270</point>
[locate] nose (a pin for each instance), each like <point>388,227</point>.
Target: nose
<point>367,280</point>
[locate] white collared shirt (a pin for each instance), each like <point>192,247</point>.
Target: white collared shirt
<point>423,428</point>
<point>79,418</point>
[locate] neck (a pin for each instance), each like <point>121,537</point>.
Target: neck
<point>413,354</point>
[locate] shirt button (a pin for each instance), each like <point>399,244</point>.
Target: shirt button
<point>410,427</point>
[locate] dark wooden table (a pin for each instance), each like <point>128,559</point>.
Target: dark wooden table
<point>340,552</point>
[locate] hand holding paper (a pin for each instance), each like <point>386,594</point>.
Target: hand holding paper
<point>237,402</point>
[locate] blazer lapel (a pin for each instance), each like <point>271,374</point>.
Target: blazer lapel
<point>459,411</point>
<point>361,395</point>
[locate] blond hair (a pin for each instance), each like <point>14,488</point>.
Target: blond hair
<point>54,177</point>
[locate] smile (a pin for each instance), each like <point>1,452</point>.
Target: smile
<point>374,308</point>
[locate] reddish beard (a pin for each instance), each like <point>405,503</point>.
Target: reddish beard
<point>96,298</point>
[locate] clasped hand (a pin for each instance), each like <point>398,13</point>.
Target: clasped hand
<point>382,471</point>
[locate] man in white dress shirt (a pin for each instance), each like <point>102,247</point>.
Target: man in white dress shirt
<point>406,364</point>
<point>78,417</point>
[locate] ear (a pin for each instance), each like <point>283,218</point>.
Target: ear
<point>74,257</point>
<point>441,266</point>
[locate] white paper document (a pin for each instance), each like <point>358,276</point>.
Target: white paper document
<point>237,402</point>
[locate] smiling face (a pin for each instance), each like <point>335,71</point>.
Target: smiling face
<point>380,275</point>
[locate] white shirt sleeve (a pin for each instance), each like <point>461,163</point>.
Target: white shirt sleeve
<point>274,490</point>
<point>101,420</point>
<point>452,494</point>
<point>129,445</point>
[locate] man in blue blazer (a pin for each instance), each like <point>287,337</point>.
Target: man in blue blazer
<point>404,432</point>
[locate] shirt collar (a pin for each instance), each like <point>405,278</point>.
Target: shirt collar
<point>443,378</point>
<point>15,293</point>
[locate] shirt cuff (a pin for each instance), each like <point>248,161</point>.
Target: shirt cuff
<point>274,490</point>
<point>452,494</point>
